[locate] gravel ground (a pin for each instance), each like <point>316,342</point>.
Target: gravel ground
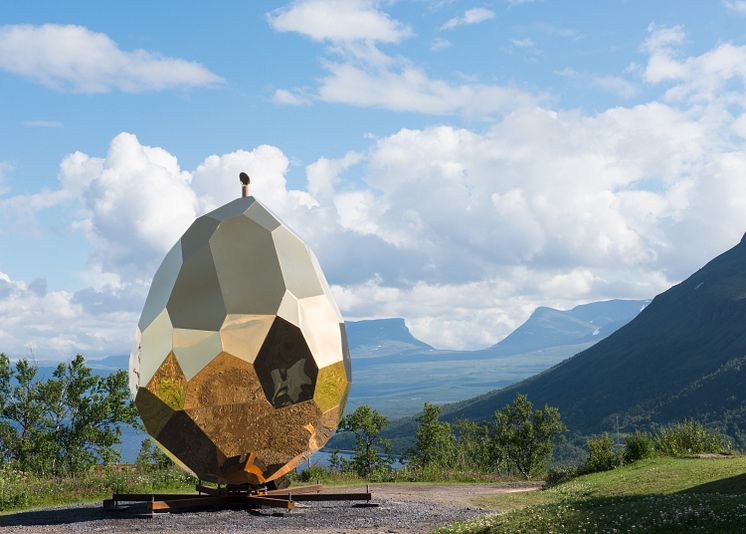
<point>402,509</point>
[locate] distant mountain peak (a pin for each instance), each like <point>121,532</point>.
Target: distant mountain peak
<point>382,334</point>
<point>681,357</point>
<point>585,323</point>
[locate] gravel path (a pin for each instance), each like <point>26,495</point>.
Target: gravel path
<point>413,508</point>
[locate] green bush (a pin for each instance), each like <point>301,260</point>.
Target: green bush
<point>14,492</point>
<point>691,437</point>
<point>638,446</point>
<point>312,473</point>
<point>602,455</point>
<point>151,457</point>
<point>558,475</point>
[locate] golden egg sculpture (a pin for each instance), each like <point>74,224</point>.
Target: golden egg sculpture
<point>241,367</point>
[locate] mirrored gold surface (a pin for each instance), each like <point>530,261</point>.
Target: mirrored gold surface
<point>242,367</point>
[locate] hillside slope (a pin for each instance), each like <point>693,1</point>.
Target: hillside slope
<point>682,356</point>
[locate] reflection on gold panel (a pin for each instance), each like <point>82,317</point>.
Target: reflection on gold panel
<point>331,384</point>
<point>169,384</point>
<point>242,369</point>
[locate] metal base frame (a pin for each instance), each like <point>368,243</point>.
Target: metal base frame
<point>243,497</point>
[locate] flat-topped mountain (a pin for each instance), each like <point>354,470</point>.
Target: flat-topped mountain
<point>379,337</point>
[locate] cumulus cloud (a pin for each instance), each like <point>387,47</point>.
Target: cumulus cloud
<point>616,85</point>
<point>736,6</point>
<point>360,74</point>
<point>470,16</point>
<point>59,324</point>
<point>462,231</point>
<point>404,87</point>
<point>74,58</point>
<point>702,78</point>
<point>338,21</point>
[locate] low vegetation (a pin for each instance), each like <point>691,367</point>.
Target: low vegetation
<point>652,484</point>
<point>660,494</point>
<point>22,490</point>
<point>518,442</point>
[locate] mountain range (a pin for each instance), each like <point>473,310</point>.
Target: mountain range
<point>683,356</point>
<point>396,373</point>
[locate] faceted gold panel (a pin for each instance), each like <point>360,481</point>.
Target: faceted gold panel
<point>285,366</point>
<point>240,367</point>
<point>169,384</point>
<point>331,384</point>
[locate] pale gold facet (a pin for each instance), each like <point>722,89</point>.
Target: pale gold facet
<point>295,262</point>
<point>237,265</point>
<point>289,309</point>
<point>320,326</point>
<point>241,367</point>
<point>195,348</point>
<point>155,344</point>
<point>243,335</point>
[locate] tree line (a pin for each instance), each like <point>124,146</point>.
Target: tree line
<point>63,424</point>
<point>517,440</point>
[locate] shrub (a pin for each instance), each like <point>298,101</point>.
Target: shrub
<point>151,457</point>
<point>558,475</point>
<point>313,473</point>
<point>602,455</point>
<point>638,446</point>
<point>690,437</point>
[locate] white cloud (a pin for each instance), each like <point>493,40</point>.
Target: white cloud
<point>43,124</point>
<point>615,84</point>
<point>558,31</point>
<point>59,324</point>
<point>736,6</point>
<point>5,168</point>
<point>439,44</point>
<point>290,98</point>
<point>523,43</point>
<point>404,87</point>
<point>463,232</point>
<point>338,21</point>
<point>703,78</point>
<point>362,75</point>
<point>74,58</point>
<point>470,16</point>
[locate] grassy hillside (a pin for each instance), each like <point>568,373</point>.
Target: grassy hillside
<point>655,495</point>
<point>682,356</point>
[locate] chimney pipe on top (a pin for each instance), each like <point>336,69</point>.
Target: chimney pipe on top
<point>245,180</point>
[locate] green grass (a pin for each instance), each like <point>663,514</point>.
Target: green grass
<point>19,491</point>
<point>654,495</point>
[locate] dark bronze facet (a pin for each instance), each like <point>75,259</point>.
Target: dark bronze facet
<point>285,366</point>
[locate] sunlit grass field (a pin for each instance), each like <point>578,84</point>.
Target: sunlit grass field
<point>655,495</point>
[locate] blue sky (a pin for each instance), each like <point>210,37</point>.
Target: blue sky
<point>456,163</point>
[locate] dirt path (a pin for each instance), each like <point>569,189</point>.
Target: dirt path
<point>403,508</point>
<point>464,495</point>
